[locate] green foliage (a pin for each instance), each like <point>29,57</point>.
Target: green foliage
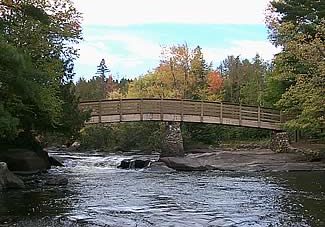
<point>124,136</point>
<point>8,124</point>
<point>24,96</point>
<point>244,80</point>
<point>201,133</point>
<point>98,88</point>
<point>71,120</point>
<point>299,27</point>
<point>211,134</point>
<point>97,137</point>
<point>92,89</point>
<point>36,67</point>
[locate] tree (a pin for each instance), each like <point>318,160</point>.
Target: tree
<point>98,87</point>
<point>231,71</point>
<point>214,81</point>
<point>182,73</point>
<point>199,71</point>
<point>253,82</point>
<point>37,64</point>
<point>25,102</point>
<point>102,69</point>
<point>299,27</point>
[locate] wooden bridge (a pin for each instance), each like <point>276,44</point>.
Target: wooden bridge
<point>125,110</point>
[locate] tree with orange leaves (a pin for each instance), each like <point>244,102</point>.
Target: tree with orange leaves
<point>215,82</point>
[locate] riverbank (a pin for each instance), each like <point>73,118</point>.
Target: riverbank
<point>250,160</point>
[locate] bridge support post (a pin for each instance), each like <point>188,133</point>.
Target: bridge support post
<point>172,145</point>
<point>280,142</point>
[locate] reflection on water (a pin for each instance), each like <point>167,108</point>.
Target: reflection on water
<point>98,194</point>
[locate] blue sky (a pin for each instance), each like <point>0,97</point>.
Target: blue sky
<point>130,35</point>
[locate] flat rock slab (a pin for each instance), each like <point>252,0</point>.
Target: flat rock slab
<point>187,163</point>
<point>251,161</point>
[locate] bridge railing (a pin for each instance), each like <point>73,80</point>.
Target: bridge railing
<point>183,110</point>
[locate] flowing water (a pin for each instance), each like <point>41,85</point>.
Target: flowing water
<point>99,194</point>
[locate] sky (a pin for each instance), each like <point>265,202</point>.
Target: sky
<point>130,34</point>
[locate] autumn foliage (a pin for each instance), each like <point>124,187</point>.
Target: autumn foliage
<point>215,82</point>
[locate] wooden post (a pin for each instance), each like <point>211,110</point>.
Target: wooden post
<point>281,117</point>
<point>201,117</point>
<point>240,117</point>
<point>259,116</point>
<point>141,109</point>
<point>221,109</point>
<point>121,110</point>
<point>161,110</point>
<point>100,111</point>
<point>182,110</point>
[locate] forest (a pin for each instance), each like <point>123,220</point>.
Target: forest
<point>39,98</point>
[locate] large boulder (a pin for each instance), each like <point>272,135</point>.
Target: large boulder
<point>172,145</point>
<point>8,179</point>
<point>25,161</point>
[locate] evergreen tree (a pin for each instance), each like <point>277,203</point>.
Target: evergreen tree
<point>102,69</point>
<point>199,72</point>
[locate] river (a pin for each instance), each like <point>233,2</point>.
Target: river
<point>99,194</point>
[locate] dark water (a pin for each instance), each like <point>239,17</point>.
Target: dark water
<point>98,194</point>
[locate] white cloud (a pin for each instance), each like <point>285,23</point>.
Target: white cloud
<point>244,48</point>
<point>134,53</point>
<point>127,12</point>
<point>134,45</point>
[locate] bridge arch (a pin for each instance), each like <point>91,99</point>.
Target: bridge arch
<point>177,110</point>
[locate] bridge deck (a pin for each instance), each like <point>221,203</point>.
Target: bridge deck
<point>109,111</point>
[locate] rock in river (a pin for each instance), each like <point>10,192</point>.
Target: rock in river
<point>8,179</point>
<point>133,164</point>
<point>158,167</point>
<point>186,163</point>
<point>25,161</point>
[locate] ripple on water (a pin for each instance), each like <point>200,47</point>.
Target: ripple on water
<point>98,194</point>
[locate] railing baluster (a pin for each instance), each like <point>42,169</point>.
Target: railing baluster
<point>100,111</point>
<point>161,110</point>
<point>182,110</point>
<point>240,114</point>
<point>259,116</point>
<point>141,109</point>
<point>121,114</point>
<point>201,116</point>
<point>221,110</point>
